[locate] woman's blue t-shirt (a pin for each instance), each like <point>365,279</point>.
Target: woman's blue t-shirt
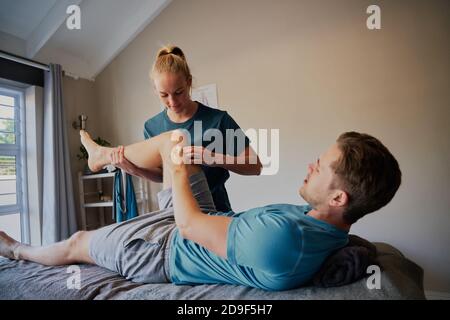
<point>204,119</point>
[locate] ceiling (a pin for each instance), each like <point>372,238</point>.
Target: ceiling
<point>20,17</point>
<point>107,27</point>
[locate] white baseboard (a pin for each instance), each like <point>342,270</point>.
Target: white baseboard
<point>436,295</point>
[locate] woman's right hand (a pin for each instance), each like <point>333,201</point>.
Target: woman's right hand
<point>119,161</point>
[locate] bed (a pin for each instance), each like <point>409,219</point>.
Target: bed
<point>400,279</point>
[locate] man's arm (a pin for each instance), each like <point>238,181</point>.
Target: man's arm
<point>208,231</point>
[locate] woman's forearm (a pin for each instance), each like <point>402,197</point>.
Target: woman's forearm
<point>244,164</point>
<point>245,169</point>
<point>154,174</point>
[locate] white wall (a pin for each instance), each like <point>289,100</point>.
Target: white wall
<point>79,98</point>
<point>313,70</point>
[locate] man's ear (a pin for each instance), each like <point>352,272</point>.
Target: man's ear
<point>339,198</point>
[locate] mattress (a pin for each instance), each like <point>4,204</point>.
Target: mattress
<point>400,278</point>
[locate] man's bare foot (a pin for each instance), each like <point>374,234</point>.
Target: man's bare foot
<point>7,246</point>
<point>98,155</point>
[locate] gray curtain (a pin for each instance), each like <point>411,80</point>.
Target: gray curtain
<point>58,212</point>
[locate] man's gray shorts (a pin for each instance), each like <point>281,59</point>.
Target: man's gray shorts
<point>139,249</point>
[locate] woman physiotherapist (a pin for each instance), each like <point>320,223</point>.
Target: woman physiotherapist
<point>173,81</point>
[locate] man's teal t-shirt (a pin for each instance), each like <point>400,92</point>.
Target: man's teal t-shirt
<point>276,247</point>
<point>206,118</point>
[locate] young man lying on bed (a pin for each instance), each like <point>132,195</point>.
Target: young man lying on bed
<point>276,247</point>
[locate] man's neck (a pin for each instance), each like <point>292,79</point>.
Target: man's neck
<point>330,218</point>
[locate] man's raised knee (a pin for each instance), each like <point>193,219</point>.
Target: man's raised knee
<point>172,145</point>
<point>76,239</point>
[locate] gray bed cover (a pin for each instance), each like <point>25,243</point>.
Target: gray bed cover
<point>400,279</point>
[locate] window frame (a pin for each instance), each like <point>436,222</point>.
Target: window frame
<point>19,151</point>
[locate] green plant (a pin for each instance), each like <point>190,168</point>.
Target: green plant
<point>83,155</point>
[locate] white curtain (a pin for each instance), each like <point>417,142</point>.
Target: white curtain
<point>58,212</point>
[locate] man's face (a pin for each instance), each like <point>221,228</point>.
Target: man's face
<point>318,184</point>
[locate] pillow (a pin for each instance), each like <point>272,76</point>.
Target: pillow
<point>346,265</point>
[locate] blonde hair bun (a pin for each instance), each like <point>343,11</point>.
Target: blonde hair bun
<point>170,59</point>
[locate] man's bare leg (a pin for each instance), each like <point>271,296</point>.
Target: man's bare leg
<point>73,250</point>
<point>146,154</point>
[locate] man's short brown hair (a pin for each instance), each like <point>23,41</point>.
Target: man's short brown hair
<point>368,172</point>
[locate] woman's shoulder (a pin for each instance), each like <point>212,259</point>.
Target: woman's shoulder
<point>207,110</point>
<point>153,124</point>
<point>156,117</point>
<point>155,120</point>
<point>214,114</point>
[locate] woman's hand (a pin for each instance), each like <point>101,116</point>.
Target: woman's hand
<point>201,155</point>
<point>118,160</point>
<point>247,163</point>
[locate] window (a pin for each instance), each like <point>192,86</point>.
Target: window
<point>13,195</point>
